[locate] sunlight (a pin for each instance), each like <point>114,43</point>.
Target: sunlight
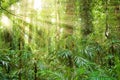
<point>28,20</point>
<point>53,20</point>
<point>1,27</point>
<point>18,8</point>
<point>26,38</point>
<point>37,4</point>
<point>26,35</point>
<point>12,7</point>
<point>5,21</point>
<point>30,1</point>
<point>18,11</point>
<point>61,30</point>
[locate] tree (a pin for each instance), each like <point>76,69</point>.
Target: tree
<point>86,17</point>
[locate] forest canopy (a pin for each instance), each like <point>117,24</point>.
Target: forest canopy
<point>59,39</point>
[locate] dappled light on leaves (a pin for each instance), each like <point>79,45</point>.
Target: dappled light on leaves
<point>5,21</point>
<point>59,40</point>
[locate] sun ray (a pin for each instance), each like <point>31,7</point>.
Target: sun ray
<point>38,5</point>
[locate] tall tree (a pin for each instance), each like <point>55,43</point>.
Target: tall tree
<point>68,35</point>
<point>69,17</point>
<point>86,17</point>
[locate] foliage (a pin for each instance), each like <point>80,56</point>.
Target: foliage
<point>59,40</point>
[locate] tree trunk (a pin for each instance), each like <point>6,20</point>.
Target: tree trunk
<point>86,17</point>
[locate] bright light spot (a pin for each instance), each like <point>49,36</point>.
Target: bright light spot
<point>37,5</point>
<point>53,20</point>
<point>30,1</point>
<point>1,27</point>
<point>53,14</point>
<point>18,4</point>
<point>18,11</point>
<point>26,29</point>
<point>26,38</point>
<point>27,20</point>
<point>5,21</point>
<point>12,7</point>
<point>61,30</point>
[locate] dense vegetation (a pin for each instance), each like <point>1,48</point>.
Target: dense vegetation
<point>59,39</point>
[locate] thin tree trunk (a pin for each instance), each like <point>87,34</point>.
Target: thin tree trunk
<point>86,17</point>
<point>20,60</point>
<point>35,70</point>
